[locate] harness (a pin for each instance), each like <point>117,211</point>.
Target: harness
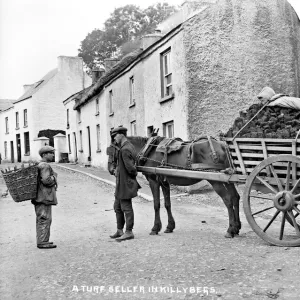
<point>169,145</point>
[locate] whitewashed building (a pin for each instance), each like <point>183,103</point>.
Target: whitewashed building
<point>40,111</point>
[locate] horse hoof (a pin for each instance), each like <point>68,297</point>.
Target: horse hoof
<point>228,235</point>
<point>153,233</point>
<point>168,230</point>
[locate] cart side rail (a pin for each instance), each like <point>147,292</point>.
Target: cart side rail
<point>247,153</point>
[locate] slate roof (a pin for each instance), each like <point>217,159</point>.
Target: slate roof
<point>98,86</point>
<point>6,103</point>
<point>37,85</point>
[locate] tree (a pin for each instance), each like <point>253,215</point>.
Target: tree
<point>122,32</point>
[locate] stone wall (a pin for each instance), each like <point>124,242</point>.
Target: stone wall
<point>233,49</point>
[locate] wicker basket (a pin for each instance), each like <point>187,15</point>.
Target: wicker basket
<point>22,183</point>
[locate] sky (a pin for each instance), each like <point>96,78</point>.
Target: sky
<point>33,33</point>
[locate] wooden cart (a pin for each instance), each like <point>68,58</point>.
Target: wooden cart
<point>269,169</point>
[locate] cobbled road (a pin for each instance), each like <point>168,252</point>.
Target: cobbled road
<point>194,262</point>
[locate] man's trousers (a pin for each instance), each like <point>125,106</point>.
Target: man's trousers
<point>43,222</point>
<point>124,211</point>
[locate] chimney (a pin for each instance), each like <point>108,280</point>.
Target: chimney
<point>97,74</point>
<point>109,63</point>
<point>27,87</point>
<point>150,39</point>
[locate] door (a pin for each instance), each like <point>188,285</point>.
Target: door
<point>12,152</point>
<point>75,146</point>
<point>19,155</point>
<point>89,141</point>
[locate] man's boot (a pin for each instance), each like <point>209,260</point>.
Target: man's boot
<point>117,234</point>
<point>46,246</point>
<point>128,235</point>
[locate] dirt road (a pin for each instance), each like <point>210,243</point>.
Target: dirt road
<point>194,262</point>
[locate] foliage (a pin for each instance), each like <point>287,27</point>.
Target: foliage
<point>122,32</point>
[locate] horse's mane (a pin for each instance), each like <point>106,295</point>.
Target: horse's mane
<point>142,140</point>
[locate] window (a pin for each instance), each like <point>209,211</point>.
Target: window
<point>97,106</point>
<point>68,124</point>
<point>98,137</point>
<point>6,125</point>
<point>166,80</point>
<point>80,140</point>
<point>79,115</point>
<point>111,111</point>
<point>17,120</point>
<point>5,150</point>
<point>168,129</point>
<point>25,118</point>
<point>133,127</point>
<point>69,143</point>
<point>27,144</point>
<point>131,88</point>
<point>149,131</point>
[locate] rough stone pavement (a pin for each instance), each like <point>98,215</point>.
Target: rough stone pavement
<point>89,265</point>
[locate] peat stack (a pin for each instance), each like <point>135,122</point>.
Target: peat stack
<point>272,122</point>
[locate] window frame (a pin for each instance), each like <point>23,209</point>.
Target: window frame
<point>131,91</point>
<point>5,150</point>
<point>80,141</point>
<point>166,127</point>
<point>166,71</point>
<point>111,97</point>
<point>69,143</point>
<point>98,138</point>
<point>133,128</point>
<point>6,125</point>
<point>97,107</point>
<point>17,120</point>
<point>25,114</point>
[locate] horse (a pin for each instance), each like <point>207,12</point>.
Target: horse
<point>206,151</point>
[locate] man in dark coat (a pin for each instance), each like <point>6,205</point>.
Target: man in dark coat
<point>46,197</point>
<point>126,185</point>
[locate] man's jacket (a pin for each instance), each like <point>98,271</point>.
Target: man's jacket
<point>47,184</point>
<point>126,183</point>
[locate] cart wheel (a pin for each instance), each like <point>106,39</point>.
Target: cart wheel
<point>271,197</point>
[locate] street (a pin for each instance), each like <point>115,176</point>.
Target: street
<point>193,262</point>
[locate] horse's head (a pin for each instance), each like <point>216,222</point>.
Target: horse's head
<point>112,152</point>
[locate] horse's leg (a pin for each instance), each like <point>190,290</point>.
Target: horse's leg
<point>165,186</point>
<point>154,185</point>
<point>231,199</point>
<point>236,205</point>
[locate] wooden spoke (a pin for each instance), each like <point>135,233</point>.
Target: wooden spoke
<point>297,210</point>
<point>271,221</point>
<point>276,178</point>
<point>288,176</point>
<point>282,225</point>
<point>266,184</point>
<point>258,212</point>
<point>295,186</point>
<point>261,197</point>
<point>297,196</point>
<point>296,226</point>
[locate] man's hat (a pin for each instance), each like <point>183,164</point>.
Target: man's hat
<point>117,130</point>
<point>46,149</point>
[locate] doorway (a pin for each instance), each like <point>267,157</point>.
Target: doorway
<point>75,146</point>
<point>12,152</point>
<point>89,140</point>
<point>19,154</point>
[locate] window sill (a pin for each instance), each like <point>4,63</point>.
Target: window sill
<point>27,154</point>
<point>167,98</point>
<point>111,114</point>
<point>68,126</point>
<point>17,128</point>
<point>79,122</point>
<point>97,114</point>
<point>81,151</point>
<point>25,126</point>
<point>6,132</point>
<point>132,104</point>
<point>98,151</point>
